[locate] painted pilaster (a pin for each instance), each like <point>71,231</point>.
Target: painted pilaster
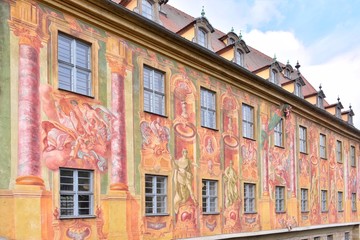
<point>25,22</point>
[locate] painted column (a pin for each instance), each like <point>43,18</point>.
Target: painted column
<point>118,180</point>
<point>29,141</point>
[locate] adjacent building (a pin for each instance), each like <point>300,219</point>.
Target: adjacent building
<point>130,119</point>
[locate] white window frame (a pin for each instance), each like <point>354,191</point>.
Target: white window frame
<point>302,139</point>
<point>239,57</point>
<point>278,134</point>
<point>304,200</point>
<point>274,76</point>
<point>353,202</point>
<point>147,9</point>
<point>352,156</point>
<point>202,37</point>
<point>154,91</point>
<point>248,121</point>
<point>340,201</point>
<point>155,195</point>
<point>208,108</point>
<point>210,196</point>
<point>322,145</point>
<point>72,83</point>
<point>324,199</point>
<point>297,90</point>
<point>280,199</point>
<point>249,198</point>
<point>76,181</point>
<point>339,154</point>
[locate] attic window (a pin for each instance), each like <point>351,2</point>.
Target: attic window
<point>338,112</point>
<point>147,9</point>
<point>201,37</point>
<point>239,57</point>
<point>320,102</point>
<point>287,73</point>
<point>298,91</point>
<point>274,77</point>
<point>350,119</point>
<point>231,41</point>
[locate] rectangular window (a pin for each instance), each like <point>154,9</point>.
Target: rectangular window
<point>209,196</point>
<point>352,156</point>
<point>278,134</point>
<point>74,65</point>
<point>316,238</point>
<point>329,237</point>
<point>76,193</point>
<point>322,146</point>
<point>340,201</point>
<point>302,139</point>
<point>339,151</point>
<point>154,91</point>
<point>279,199</point>
<point>347,236</point>
<point>248,121</point>
<point>304,200</point>
<point>323,200</point>
<point>208,108</point>
<point>249,198</point>
<point>353,202</point>
<point>155,195</point>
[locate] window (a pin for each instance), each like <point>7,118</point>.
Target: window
<point>338,112</point>
<point>278,134</point>
<point>340,201</point>
<point>76,193</point>
<point>155,195</point>
<point>154,91</point>
<point>352,156</point>
<point>347,236</point>
<point>209,196</point>
<point>323,200</point>
<point>249,198</point>
<point>287,73</point>
<point>339,151</point>
<point>231,41</point>
<point>350,119</point>
<point>147,9</point>
<point>201,37</point>
<point>238,57</point>
<point>74,65</point>
<point>274,77</point>
<point>208,108</point>
<point>298,91</point>
<point>322,146</point>
<point>353,202</point>
<point>302,139</point>
<point>304,200</point>
<point>279,199</point>
<point>316,238</point>
<point>320,102</point>
<point>329,237</point>
<point>248,121</point>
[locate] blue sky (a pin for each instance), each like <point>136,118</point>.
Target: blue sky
<point>323,35</point>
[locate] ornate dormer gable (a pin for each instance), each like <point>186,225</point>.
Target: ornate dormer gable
<point>335,108</point>
<point>296,83</point>
<point>288,70</point>
<point>275,71</point>
<point>347,116</point>
<point>316,98</point>
<point>147,8</point>
<point>235,49</point>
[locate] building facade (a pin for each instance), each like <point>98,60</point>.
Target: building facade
<point>132,120</point>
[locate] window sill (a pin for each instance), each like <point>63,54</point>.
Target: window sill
<point>210,128</point>
<point>158,215</point>
<point>157,114</point>
<point>305,153</point>
<point>324,158</point>
<point>339,162</point>
<point>282,147</point>
<point>76,217</point>
<point>341,211</point>
<point>305,212</point>
<point>353,166</point>
<point>211,213</point>
<point>250,212</point>
<point>325,211</point>
<point>81,94</point>
<point>252,139</point>
<point>280,212</point>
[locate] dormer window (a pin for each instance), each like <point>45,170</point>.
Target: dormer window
<point>231,41</point>
<point>201,37</point>
<point>274,78</point>
<point>147,9</point>
<point>350,119</point>
<point>287,73</point>
<point>338,112</point>
<point>297,90</point>
<point>320,102</point>
<point>239,57</point>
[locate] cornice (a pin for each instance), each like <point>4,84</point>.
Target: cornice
<point>131,26</point>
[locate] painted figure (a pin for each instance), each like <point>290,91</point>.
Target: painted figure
<point>183,179</point>
<point>230,179</point>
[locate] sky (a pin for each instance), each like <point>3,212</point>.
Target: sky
<point>323,35</point>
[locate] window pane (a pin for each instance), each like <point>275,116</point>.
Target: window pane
<point>64,76</point>
<point>82,55</point>
<point>64,48</point>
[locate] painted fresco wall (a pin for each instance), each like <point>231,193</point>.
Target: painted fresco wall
<point>112,135</point>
